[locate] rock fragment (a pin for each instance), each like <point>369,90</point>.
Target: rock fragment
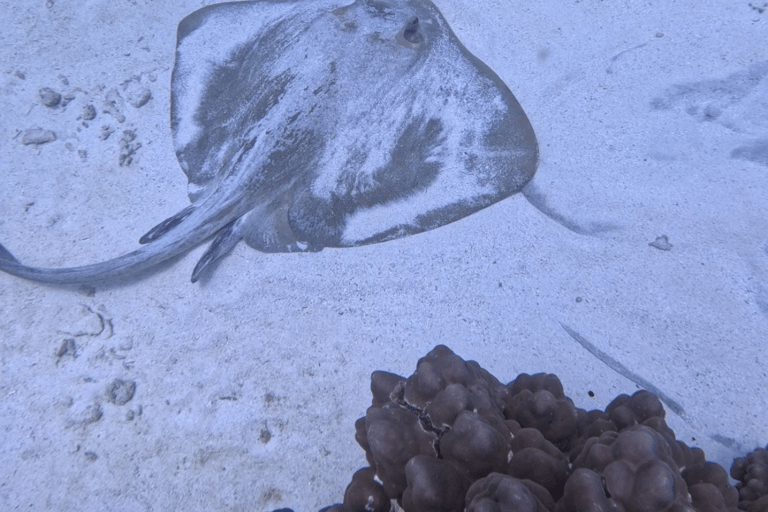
<point>37,136</point>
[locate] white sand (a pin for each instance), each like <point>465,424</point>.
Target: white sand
<point>285,343</point>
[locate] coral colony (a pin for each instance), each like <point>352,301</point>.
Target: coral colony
<point>451,438</point>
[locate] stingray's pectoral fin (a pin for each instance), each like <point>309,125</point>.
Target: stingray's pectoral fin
<point>167,225</point>
<point>6,255</point>
<point>225,240</point>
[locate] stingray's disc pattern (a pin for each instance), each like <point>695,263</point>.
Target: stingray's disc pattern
<point>311,124</point>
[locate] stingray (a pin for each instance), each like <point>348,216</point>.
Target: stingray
<point>308,124</point>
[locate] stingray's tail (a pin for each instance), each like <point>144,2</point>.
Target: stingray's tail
<point>162,242</point>
<point>125,264</point>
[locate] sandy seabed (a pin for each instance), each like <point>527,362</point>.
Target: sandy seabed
<point>240,392</point>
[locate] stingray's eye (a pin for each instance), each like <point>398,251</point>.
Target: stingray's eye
<point>411,31</point>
